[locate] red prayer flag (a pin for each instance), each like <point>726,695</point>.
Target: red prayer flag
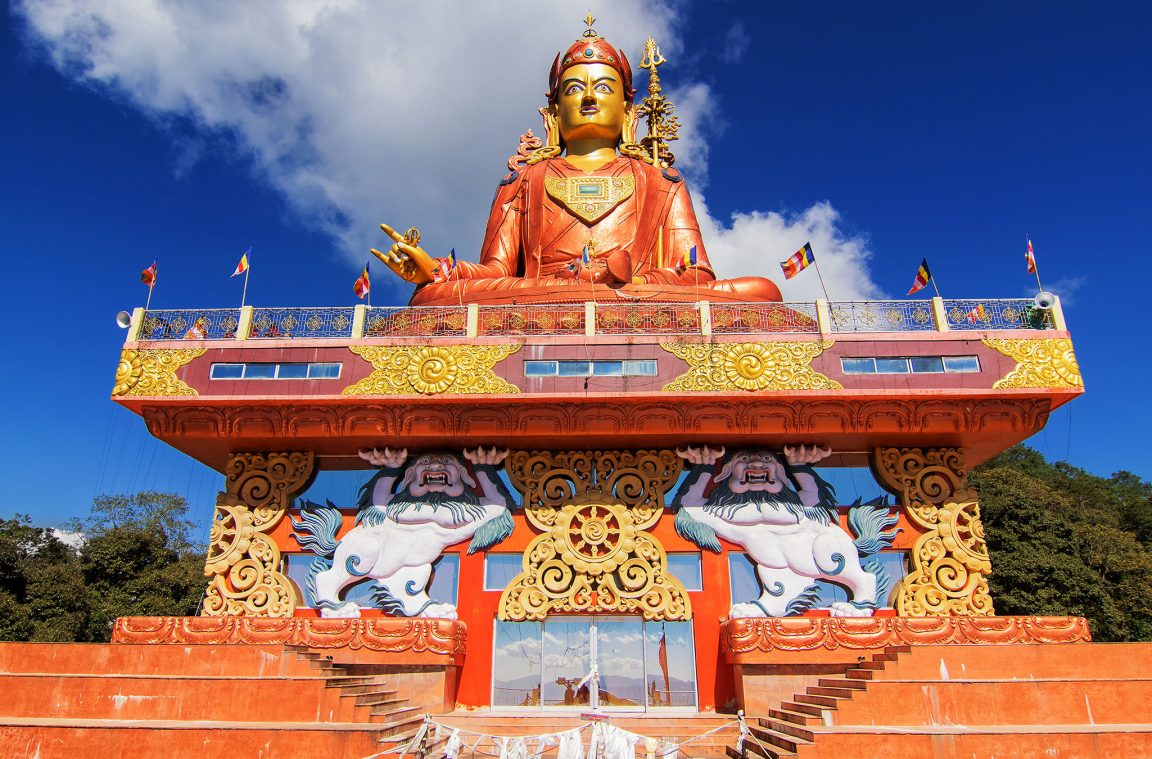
<point>148,276</point>
<point>923,277</point>
<point>1030,257</point>
<point>363,284</point>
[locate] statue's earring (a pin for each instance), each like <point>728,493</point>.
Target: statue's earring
<point>551,138</point>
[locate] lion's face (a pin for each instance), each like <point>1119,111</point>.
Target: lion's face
<point>754,472</point>
<point>437,473</point>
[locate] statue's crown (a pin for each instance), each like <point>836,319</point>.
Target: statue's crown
<point>590,48</point>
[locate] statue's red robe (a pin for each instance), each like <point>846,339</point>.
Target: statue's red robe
<point>533,246</point>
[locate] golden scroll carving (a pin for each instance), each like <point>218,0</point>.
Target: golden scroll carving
<point>1045,363</point>
<point>432,369</point>
<point>749,366</point>
<point>243,561</point>
<point>152,372</point>
<point>950,560</point>
<point>594,555</point>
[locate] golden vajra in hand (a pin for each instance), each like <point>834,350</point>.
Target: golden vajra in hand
<point>406,257</point>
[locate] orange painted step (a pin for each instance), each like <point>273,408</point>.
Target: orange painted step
<point>189,740</point>
<point>120,658</point>
<point>272,699</point>
<point>1019,702</point>
<point>1052,742</point>
<point>1020,662</point>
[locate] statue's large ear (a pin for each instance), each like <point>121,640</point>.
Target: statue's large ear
<point>551,129</point>
<point>409,478</point>
<point>725,471</point>
<point>779,471</point>
<point>629,135</point>
<point>464,475</point>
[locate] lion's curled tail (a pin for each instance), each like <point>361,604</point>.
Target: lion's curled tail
<point>316,531</point>
<point>872,524</point>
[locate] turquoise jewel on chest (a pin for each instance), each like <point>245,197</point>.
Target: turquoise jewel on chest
<point>590,188</point>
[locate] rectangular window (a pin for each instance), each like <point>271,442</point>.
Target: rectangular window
<point>259,371</point>
<point>639,368</point>
<point>500,569</point>
<point>539,368</point>
<point>324,371</point>
<point>961,364</point>
<point>607,368</point>
<point>891,366</point>
<point>574,368</point>
<point>227,371</point>
<point>292,371</point>
<point>742,575</point>
<point>858,365</point>
<point>927,364</point>
<point>685,567</point>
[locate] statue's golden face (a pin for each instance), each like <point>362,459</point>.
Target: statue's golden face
<point>590,103</point>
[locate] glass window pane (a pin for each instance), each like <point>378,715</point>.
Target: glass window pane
<point>500,569</point>
<point>574,368</point>
<point>292,371</point>
<point>324,371</point>
<point>259,371</point>
<point>567,645</point>
<point>742,574</point>
<point>639,368</point>
<point>227,371</point>
<point>607,368</point>
<point>927,364</point>
<point>445,579</point>
<point>671,675</point>
<point>685,567</point>
<point>858,365</point>
<point>539,368</point>
<point>620,660</point>
<point>961,364</point>
<point>516,664</point>
<point>891,366</point>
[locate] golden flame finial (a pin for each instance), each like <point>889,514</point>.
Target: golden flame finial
<point>589,21</point>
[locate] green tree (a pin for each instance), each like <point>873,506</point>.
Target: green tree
<point>39,596</point>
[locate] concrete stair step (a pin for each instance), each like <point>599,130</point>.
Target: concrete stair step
<point>795,717</point>
<point>770,737</point>
<point>841,693</point>
<point>787,728</point>
<point>808,710</point>
<point>824,702</point>
<point>841,682</point>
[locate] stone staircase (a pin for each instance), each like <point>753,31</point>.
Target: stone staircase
<point>945,702</point>
<point>117,700</point>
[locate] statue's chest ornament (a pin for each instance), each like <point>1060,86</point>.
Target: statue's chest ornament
<point>590,198</point>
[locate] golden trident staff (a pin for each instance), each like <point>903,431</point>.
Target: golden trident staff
<point>663,127</point>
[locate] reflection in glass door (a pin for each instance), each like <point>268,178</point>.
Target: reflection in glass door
<point>567,652</point>
<point>641,665</point>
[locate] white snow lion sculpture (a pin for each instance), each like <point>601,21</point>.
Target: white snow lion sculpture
<point>399,534</point>
<point>785,518</point>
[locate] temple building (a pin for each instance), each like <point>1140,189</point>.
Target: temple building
<point>582,487</point>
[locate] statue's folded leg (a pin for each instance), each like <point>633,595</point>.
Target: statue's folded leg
<point>753,289</point>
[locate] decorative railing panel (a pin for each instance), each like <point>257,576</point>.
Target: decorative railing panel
<point>648,319</point>
<point>543,319</point>
<point>190,324</point>
<point>1019,313</point>
<point>419,321</point>
<point>743,318</point>
<point>882,316</point>
<point>301,322</point>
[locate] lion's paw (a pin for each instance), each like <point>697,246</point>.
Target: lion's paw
<point>741,611</point>
<point>841,609</point>
<point>348,610</point>
<point>440,611</point>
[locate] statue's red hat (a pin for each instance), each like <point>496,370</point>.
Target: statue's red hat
<point>591,49</point>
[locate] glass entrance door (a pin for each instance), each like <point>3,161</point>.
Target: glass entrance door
<point>639,665</point>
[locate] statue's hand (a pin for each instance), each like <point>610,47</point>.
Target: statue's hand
<point>798,455</point>
<point>407,258</point>
<point>702,455</point>
<point>481,456</point>
<point>387,457</point>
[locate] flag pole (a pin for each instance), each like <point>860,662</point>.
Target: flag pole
<point>244,292</point>
<point>934,287</point>
<point>148,300</point>
<point>821,278</point>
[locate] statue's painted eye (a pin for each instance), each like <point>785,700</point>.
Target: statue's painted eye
<point>603,87</point>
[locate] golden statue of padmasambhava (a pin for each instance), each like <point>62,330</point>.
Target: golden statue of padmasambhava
<point>593,224</point>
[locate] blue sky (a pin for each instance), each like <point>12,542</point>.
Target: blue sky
<point>185,132</point>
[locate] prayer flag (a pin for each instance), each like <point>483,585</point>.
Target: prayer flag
<point>585,256</point>
<point>148,276</point>
<point>243,265</point>
<point>363,284</point>
<point>452,257</point>
<point>977,314</point>
<point>923,277</point>
<point>663,658</point>
<point>798,262</point>
<point>689,258</point>
<point>1031,258</point>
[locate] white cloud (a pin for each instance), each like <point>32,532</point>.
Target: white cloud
<point>736,43</point>
<point>359,112</point>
